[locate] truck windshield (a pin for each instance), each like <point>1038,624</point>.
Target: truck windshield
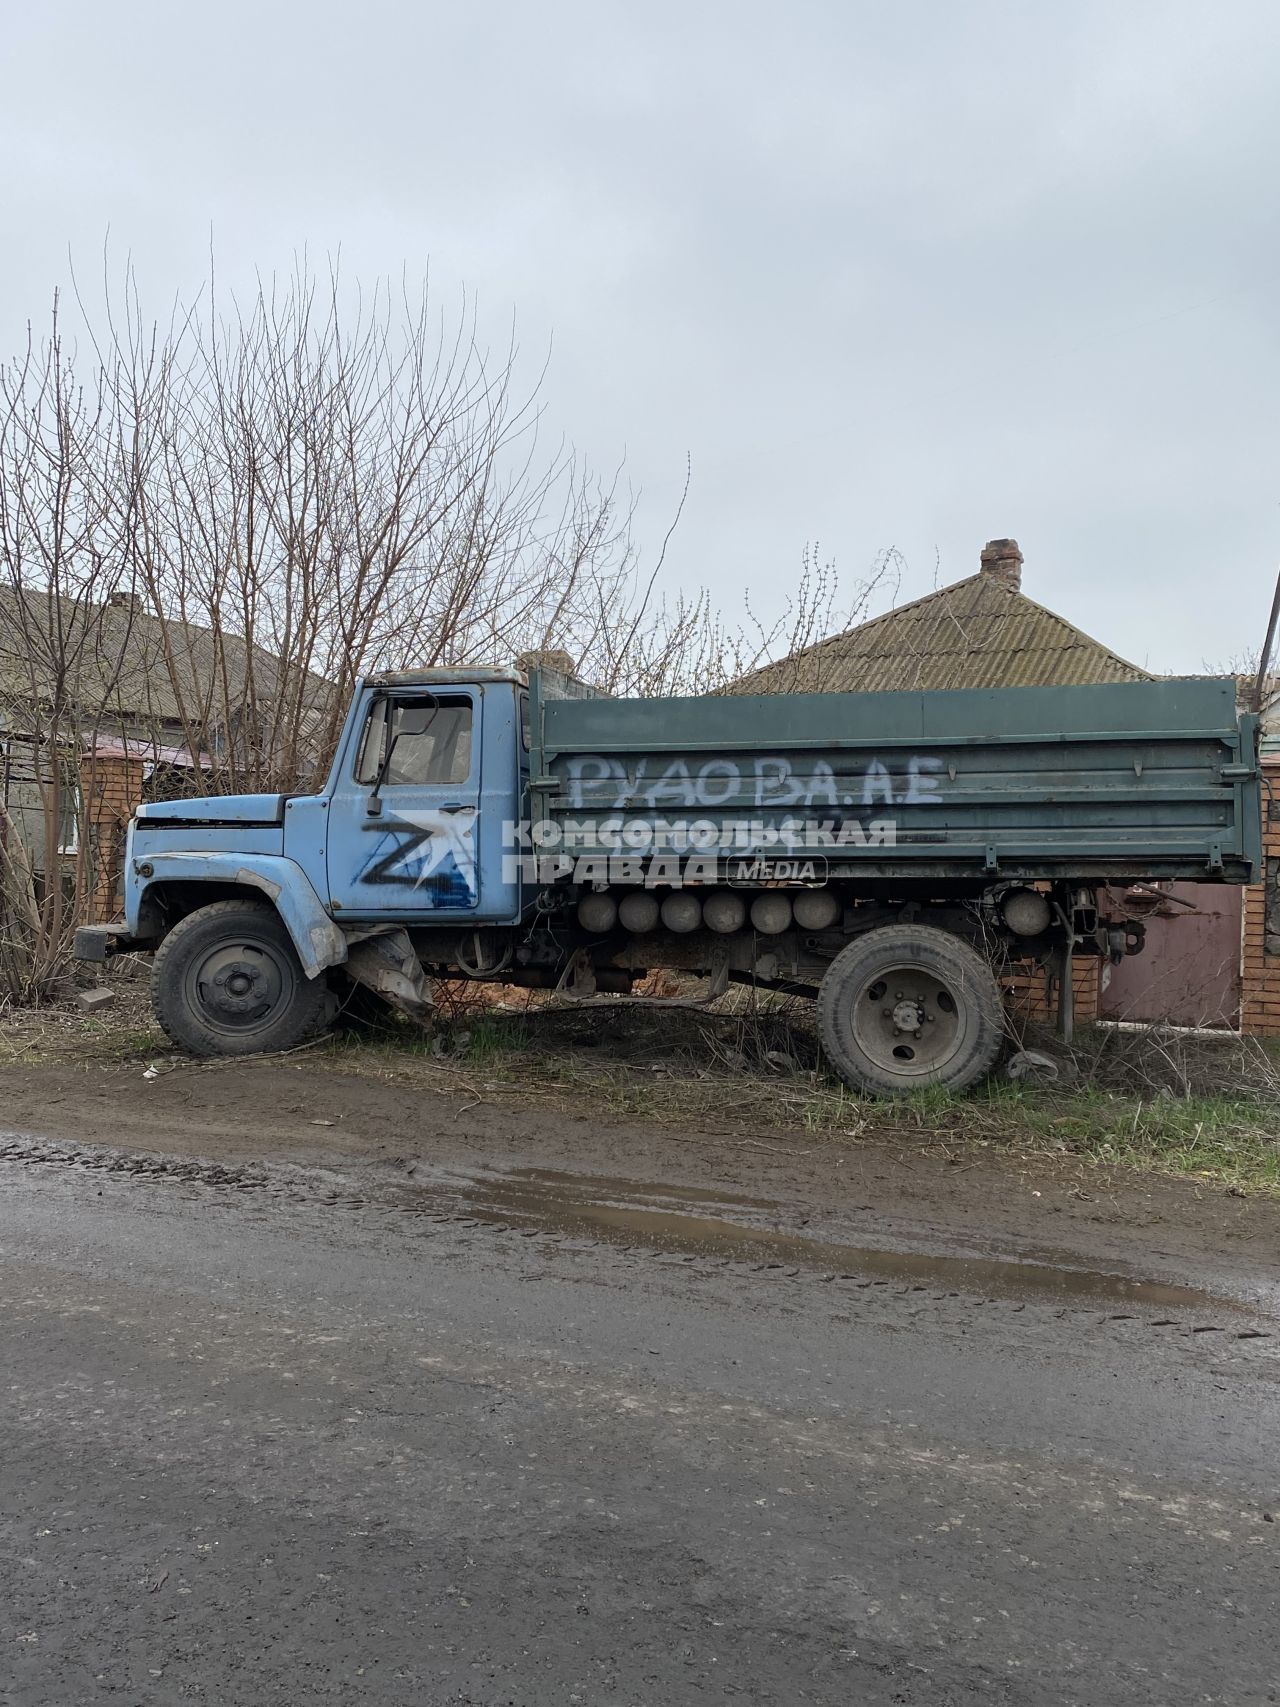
<point>418,741</point>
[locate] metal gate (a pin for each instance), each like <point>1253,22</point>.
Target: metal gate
<point>1189,971</point>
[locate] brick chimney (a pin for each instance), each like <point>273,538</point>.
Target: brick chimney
<point>1001,558</point>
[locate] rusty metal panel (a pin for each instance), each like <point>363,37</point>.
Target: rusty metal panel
<point>1189,970</point>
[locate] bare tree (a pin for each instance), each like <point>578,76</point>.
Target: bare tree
<point>327,485</point>
<point>819,608</point>
<point>212,524</point>
<point>63,544</point>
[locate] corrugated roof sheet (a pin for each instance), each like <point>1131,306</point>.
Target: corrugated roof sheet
<point>125,661</point>
<point>980,632</point>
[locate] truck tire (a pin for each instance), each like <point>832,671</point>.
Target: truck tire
<point>909,1006</point>
<point>227,981</point>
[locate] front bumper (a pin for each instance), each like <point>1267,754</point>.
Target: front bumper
<point>100,942</point>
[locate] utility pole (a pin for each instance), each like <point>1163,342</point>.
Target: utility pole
<point>1267,644</point>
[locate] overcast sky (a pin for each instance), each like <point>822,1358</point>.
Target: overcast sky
<point>910,275</point>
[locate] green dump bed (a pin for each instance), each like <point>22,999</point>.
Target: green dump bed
<point>1121,781</point>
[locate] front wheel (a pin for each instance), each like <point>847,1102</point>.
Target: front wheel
<point>909,1006</point>
<point>227,981</point>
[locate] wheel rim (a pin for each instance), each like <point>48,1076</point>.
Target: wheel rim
<point>909,1022</point>
<point>239,987</point>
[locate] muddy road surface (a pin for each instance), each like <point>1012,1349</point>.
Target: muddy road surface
<point>445,1414</point>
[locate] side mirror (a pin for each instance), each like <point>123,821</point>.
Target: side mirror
<point>379,731</point>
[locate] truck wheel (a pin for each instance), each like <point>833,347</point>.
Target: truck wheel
<point>226,981</point>
<point>907,1006</point>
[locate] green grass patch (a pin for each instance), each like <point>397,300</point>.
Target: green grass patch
<point>1229,1138</point>
<point>131,1043</point>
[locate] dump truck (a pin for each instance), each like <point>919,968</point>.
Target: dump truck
<point>898,857</point>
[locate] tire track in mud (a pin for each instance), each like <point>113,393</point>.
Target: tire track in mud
<point>1208,1319</point>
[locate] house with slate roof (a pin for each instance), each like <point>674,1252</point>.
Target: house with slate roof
<point>145,706</point>
<point>982,632</point>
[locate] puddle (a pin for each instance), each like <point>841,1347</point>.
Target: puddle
<point>664,1219</point>
<point>553,1181</point>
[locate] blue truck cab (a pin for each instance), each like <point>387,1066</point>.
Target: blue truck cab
<point>408,827</point>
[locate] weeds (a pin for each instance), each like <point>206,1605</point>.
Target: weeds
<point>1225,1137</point>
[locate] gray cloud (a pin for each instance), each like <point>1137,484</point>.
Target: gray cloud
<point>912,275</point>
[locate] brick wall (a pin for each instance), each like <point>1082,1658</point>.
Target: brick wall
<point>1260,972</point>
<point>1025,996</point>
<point>110,788</point>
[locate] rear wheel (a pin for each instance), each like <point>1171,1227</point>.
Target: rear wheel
<point>227,981</point>
<point>908,1006</point>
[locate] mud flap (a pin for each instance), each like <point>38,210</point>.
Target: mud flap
<point>388,965</point>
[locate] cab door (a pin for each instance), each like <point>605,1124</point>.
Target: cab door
<point>403,813</point>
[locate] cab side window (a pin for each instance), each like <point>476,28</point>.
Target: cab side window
<point>429,740</point>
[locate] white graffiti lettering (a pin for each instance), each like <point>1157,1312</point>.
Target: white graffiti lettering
<point>923,787</point>
<point>597,783</point>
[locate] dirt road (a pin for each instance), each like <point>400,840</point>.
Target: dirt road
<point>318,1391</point>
